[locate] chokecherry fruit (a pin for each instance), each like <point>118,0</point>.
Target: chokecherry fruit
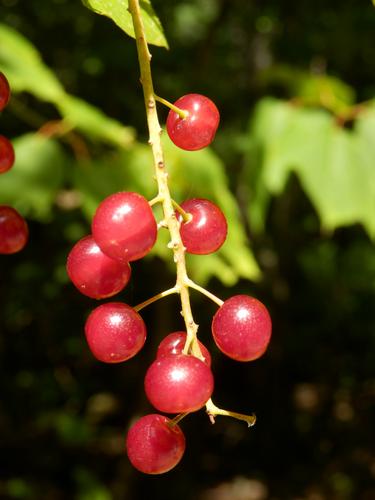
<point>124,226</point>
<point>206,231</point>
<point>154,445</point>
<point>115,332</point>
<point>13,230</point>
<point>174,344</point>
<point>4,91</point>
<point>242,328</point>
<point>6,155</point>
<point>198,129</point>
<point>94,273</point>
<point>178,383</point>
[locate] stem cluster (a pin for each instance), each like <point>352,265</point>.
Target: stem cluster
<point>183,282</point>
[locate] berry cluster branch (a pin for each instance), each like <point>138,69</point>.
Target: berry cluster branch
<point>124,229</point>
<point>183,282</point>
<point>164,196</point>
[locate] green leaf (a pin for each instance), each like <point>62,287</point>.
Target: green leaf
<point>93,122</point>
<point>310,89</point>
<point>24,68</point>
<point>32,184</point>
<point>117,10</point>
<point>334,165</point>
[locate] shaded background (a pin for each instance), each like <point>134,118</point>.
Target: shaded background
<point>63,415</point>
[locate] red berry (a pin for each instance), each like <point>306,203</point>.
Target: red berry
<point>198,129</point>
<point>124,226</point>
<point>242,328</point>
<point>13,230</point>
<point>174,344</point>
<point>4,91</point>
<point>115,332</point>
<point>6,155</point>
<point>154,446</point>
<point>178,383</point>
<point>206,231</point>
<point>94,273</point>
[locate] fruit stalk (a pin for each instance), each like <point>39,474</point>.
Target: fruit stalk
<point>183,282</point>
<point>161,175</point>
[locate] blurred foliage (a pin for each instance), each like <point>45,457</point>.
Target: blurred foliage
<point>291,167</point>
<point>335,166</point>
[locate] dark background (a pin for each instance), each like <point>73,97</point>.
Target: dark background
<point>63,415</point>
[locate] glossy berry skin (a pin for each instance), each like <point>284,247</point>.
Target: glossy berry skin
<point>124,226</point>
<point>198,129</point>
<point>178,383</point>
<point>115,332</point>
<point>14,232</point>
<point>206,231</point>
<point>4,91</point>
<point>242,328</point>
<point>153,446</point>
<point>174,344</point>
<point>94,273</point>
<point>6,155</point>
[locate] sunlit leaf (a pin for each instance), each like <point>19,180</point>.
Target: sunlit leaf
<point>311,89</point>
<point>334,165</point>
<point>117,10</point>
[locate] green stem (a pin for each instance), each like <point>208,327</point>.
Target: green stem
<point>205,292</point>
<point>186,216</point>
<point>155,200</point>
<point>182,113</point>
<point>156,297</point>
<point>212,410</point>
<point>182,280</point>
<point>161,176</point>
<point>177,419</point>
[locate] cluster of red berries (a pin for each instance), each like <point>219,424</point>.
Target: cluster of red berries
<point>124,230</point>
<point>13,227</point>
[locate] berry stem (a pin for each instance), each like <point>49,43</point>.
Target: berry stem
<point>155,298</point>
<point>205,292</point>
<point>185,215</point>
<point>177,419</point>
<point>155,200</point>
<point>212,411</point>
<point>161,175</point>
<point>182,113</point>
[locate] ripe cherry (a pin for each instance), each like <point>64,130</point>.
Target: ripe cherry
<point>4,91</point>
<point>206,231</point>
<point>124,226</point>
<point>174,344</point>
<point>242,328</point>
<point>198,129</point>
<point>154,445</point>
<point>115,332</point>
<point>178,383</point>
<point>13,230</point>
<point>94,273</point>
<point>6,155</point>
